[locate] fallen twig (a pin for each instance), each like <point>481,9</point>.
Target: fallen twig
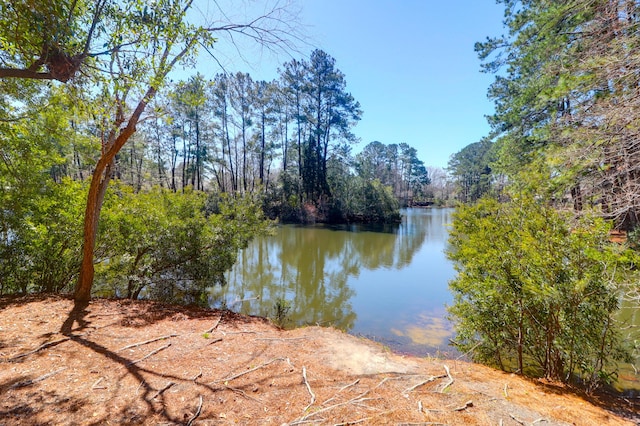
<point>226,379</point>
<point>161,391</point>
<point>355,400</point>
<point>248,299</point>
<point>516,419</point>
<point>424,382</point>
<point>306,382</point>
<point>506,395</point>
<point>197,376</point>
<point>150,354</point>
<point>340,390</point>
<point>198,411</point>
<point>450,382</point>
<point>30,382</point>
<point>39,348</point>
<point>135,345</point>
<point>243,393</point>
<point>214,325</point>
<point>465,406</point>
<point>95,385</point>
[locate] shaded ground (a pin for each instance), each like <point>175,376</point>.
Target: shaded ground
<point>120,362</point>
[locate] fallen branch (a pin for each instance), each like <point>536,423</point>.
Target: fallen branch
<point>450,382</point>
<point>306,382</point>
<point>358,399</point>
<point>214,325</point>
<point>134,345</point>
<point>226,379</point>
<point>39,348</point>
<point>197,414</point>
<point>465,406</point>
<point>430,379</point>
<point>150,354</point>
<point>315,413</point>
<point>248,299</point>
<point>340,390</point>
<point>161,391</point>
<point>30,382</point>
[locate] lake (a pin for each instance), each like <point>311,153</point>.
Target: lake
<point>388,283</point>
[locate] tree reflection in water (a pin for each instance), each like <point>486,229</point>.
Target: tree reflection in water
<point>381,281</point>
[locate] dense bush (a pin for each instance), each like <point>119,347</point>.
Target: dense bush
<point>171,246</point>
<point>536,292</point>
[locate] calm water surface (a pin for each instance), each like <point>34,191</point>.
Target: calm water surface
<point>386,283</point>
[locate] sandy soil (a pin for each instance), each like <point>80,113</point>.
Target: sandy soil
<point>120,362</point>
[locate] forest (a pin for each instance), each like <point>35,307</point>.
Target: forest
<point>116,180</point>
<point>546,246</point>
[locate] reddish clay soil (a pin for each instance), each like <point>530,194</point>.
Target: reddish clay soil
<point>120,362</point>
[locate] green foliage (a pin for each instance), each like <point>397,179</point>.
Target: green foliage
<point>471,170</point>
<point>533,293</point>
<point>171,246</point>
<point>281,312</point>
<point>40,240</point>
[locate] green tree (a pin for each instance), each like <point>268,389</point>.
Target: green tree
<point>331,112</point>
<point>171,246</point>
<point>536,292</point>
<point>48,40</point>
<point>472,171</point>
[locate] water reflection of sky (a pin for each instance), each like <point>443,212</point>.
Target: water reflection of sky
<point>389,284</point>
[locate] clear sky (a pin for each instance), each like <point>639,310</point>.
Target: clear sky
<point>410,64</point>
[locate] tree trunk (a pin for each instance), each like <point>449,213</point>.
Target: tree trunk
<point>97,190</point>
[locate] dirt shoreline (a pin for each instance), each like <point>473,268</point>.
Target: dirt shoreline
<point>123,362</point>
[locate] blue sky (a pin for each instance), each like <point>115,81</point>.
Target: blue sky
<point>410,64</point>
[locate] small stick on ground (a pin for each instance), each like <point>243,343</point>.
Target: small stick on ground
<point>36,380</point>
<point>219,339</point>
<point>197,376</point>
<point>355,400</point>
<point>95,385</point>
<point>215,325</point>
<point>226,379</point>
<point>243,393</point>
<point>306,382</point>
<point>340,390</point>
<point>465,406</point>
<point>150,354</point>
<point>161,391</point>
<point>39,348</point>
<point>424,382</point>
<point>506,395</point>
<point>450,382</point>
<point>197,414</point>
<point>135,345</point>
<point>516,419</point>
